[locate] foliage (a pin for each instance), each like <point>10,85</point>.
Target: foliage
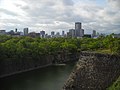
<point>20,47</point>
<point>115,86</point>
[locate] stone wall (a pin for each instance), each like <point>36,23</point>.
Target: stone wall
<point>65,57</point>
<point>12,66</point>
<point>94,71</point>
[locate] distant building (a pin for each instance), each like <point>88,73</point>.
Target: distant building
<point>79,32</point>
<point>72,33</point>
<point>17,34</point>
<point>87,35</point>
<point>52,34</point>
<point>42,34</point>
<point>102,35</point>
<point>37,34</point>
<point>21,33</point>
<point>2,32</point>
<point>63,33</point>
<point>77,29</point>
<point>68,34</point>
<point>15,30</point>
<point>116,36</point>
<point>57,34</point>
<point>97,34</point>
<point>94,33</point>
<point>47,36</point>
<point>11,32</point>
<point>32,34</point>
<point>77,25</point>
<point>25,31</point>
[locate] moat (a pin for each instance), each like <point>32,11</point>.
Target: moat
<point>48,78</point>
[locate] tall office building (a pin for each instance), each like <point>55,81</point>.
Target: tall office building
<point>63,33</point>
<point>77,25</point>
<point>15,29</point>
<point>72,33</point>
<point>2,32</point>
<point>79,32</point>
<point>52,34</point>
<point>42,34</point>
<point>57,34</point>
<point>25,30</point>
<point>94,33</point>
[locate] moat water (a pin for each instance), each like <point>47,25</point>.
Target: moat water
<point>49,78</point>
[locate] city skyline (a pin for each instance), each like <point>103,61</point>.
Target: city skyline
<point>100,15</point>
<point>77,32</point>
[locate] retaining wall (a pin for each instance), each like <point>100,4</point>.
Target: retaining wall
<point>12,66</point>
<point>93,71</point>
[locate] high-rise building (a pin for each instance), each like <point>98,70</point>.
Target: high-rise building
<point>52,34</point>
<point>79,32</point>
<point>32,34</point>
<point>42,34</point>
<point>63,33</point>
<point>25,30</point>
<point>11,32</point>
<point>57,34</point>
<point>2,32</point>
<point>15,29</point>
<point>68,34</point>
<point>78,25</point>
<point>94,33</point>
<point>72,33</point>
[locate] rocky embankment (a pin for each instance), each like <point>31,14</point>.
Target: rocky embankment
<point>94,72</point>
<point>13,66</point>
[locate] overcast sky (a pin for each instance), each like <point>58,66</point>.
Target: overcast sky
<point>57,15</point>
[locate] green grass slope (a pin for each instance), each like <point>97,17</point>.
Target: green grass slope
<point>115,86</point>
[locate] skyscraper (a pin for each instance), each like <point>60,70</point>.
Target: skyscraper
<point>94,33</point>
<point>42,34</point>
<point>72,32</point>
<point>25,30</point>
<point>79,32</point>
<point>2,32</point>
<point>63,33</point>
<point>52,34</point>
<point>77,25</point>
<point>15,29</point>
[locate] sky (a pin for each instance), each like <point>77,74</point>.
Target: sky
<point>57,15</point>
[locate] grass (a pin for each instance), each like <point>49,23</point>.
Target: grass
<point>115,86</point>
<point>104,51</point>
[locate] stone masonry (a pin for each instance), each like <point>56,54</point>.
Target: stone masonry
<point>94,71</point>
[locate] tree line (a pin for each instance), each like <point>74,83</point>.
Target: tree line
<point>20,47</point>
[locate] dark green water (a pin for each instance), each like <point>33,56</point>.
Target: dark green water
<point>49,78</point>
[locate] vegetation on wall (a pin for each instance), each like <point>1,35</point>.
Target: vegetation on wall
<point>115,86</point>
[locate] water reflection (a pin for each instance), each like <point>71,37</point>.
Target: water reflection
<point>49,78</point>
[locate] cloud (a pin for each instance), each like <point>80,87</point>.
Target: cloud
<point>114,4</point>
<point>7,12</point>
<point>61,14</point>
<point>68,2</point>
